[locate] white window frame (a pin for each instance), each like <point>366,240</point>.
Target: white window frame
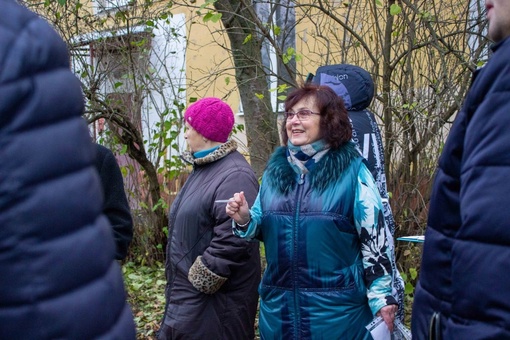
<point>104,6</point>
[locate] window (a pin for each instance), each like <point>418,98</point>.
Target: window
<point>102,6</point>
<point>138,72</point>
<point>122,63</point>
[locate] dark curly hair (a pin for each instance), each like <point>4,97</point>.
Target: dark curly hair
<point>335,125</point>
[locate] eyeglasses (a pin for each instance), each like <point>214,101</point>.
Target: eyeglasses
<point>301,114</point>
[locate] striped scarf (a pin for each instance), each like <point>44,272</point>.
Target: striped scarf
<point>303,158</point>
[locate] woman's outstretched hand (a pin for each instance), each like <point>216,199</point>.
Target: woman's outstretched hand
<point>237,208</point>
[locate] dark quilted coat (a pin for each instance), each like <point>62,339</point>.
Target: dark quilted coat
<point>58,277</point>
<point>465,272</point>
<point>200,231</point>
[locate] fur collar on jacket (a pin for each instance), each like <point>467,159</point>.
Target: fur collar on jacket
<point>224,149</point>
<point>281,176</point>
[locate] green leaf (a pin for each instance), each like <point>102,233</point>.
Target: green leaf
<point>61,2</point>
<point>414,273</point>
<point>247,39</point>
<point>207,17</point>
<point>395,9</point>
<point>134,276</point>
<point>212,16</point>
<point>136,286</point>
<point>409,288</point>
<point>216,17</point>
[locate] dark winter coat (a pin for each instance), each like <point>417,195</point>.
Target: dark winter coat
<point>466,256</point>
<point>356,87</point>
<point>212,275</point>
<point>58,277</point>
<point>116,206</point>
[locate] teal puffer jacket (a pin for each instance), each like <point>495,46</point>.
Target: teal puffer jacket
<point>316,281</point>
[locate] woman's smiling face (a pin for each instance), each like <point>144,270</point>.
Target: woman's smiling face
<point>304,131</point>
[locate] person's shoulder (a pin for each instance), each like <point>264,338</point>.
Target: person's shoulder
<point>102,149</point>
<point>279,151</point>
<point>499,58</point>
<point>238,161</point>
<point>103,155</point>
<point>503,45</point>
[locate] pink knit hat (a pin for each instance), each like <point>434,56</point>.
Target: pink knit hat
<point>212,118</point>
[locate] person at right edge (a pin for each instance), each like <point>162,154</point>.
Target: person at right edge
<point>320,216</point>
<point>464,284</point>
<point>58,276</point>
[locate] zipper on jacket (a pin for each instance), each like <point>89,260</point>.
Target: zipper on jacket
<point>295,227</point>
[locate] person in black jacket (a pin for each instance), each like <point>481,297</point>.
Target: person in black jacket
<point>58,276</point>
<point>116,206</point>
<point>356,87</point>
<point>463,290</point>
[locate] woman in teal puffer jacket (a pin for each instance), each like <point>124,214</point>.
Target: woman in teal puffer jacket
<point>320,217</point>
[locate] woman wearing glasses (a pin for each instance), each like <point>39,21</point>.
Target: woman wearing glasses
<point>321,219</point>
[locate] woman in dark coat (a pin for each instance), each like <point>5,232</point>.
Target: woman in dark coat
<point>58,276</point>
<point>212,275</point>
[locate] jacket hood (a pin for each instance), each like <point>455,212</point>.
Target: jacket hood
<point>352,83</point>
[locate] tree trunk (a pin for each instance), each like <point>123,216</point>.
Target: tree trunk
<point>261,121</point>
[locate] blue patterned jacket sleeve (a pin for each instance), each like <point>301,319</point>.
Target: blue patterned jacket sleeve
<point>251,231</point>
<point>375,249</point>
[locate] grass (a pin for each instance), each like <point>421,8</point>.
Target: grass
<point>146,295</point>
